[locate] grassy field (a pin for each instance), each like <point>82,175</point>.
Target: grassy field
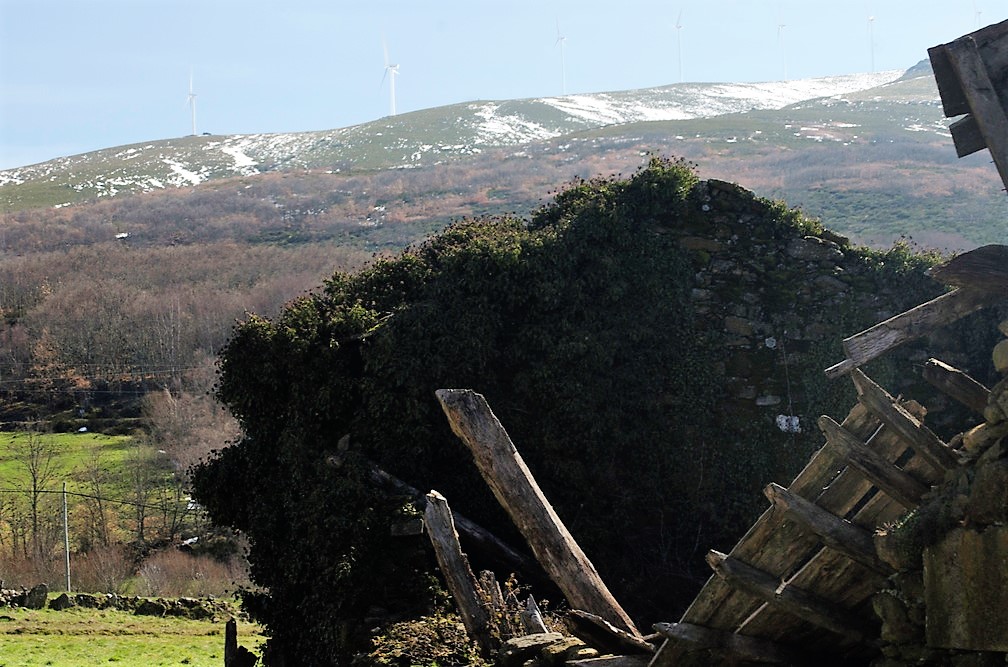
<point>81,637</point>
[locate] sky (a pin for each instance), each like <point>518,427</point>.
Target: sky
<point>80,75</point>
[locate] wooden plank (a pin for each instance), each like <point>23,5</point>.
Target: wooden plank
<point>789,599</point>
<point>853,541</point>
<point>739,647</point>
<point>982,96</point>
<point>899,485</point>
<point>512,483</point>
<point>927,445</point>
<point>957,385</point>
<point>455,568</point>
<point>914,323</point>
<point>966,136</point>
<point>984,268</point>
<point>603,635</point>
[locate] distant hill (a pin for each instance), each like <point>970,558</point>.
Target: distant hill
<point>869,154</point>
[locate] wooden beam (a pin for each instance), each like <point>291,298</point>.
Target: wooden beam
<point>455,568</point>
<point>949,89</point>
<point>982,96</point>
<point>928,446</point>
<point>914,323</point>
<point>477,534</point>
<point>984,268</point>
<point>895,483</point>
<point>966,136</point>
<point>740,647</point>
<point>790,599</point>
<point>853,541</point>
<point>606,637</point>
<point>516,490</point>
<point>956,384</point>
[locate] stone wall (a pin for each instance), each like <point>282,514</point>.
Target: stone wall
<point>948,602</point>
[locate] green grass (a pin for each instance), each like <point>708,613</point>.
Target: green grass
<point>80,637</point>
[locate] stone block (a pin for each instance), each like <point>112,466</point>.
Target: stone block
<point>36,598</point>
<point>966,590</point>
<point>1000,356</point>
<point>519,649</point>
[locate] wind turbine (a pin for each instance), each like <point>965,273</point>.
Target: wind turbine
<point>871,41</point>
<point>678,29</point>
<point>976,14</point>
<point>780,44</point>
<point>191,101</point>
<point>391,71</point>
<point>561,42</point>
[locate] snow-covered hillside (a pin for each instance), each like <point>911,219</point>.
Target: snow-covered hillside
<point>408,140</point>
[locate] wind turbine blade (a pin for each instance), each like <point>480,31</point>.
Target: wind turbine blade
<point>678,21</point>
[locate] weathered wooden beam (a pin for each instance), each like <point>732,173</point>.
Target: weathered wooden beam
<point>895,483</point>
<point>956,384</point>
<point>516,490</point>
<point>982,96</point>
<point>603,635</point>
<point>949,89</point>
<point>983,268</point>
<point>966,136</point>
<point>477,534</point>
<point>928,446</point>
<point>455,568</point>
<point>790,599</point>
<point>740,647</point>
<point>853,541</point>
<point>914,323</point>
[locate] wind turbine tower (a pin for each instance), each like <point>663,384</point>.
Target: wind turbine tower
<point>391,71</point>
<point>561,42</point>
<point>871,41</point>
<point>976,14</point>
<point>780,44</point>
<point>191,101</point>
<point>678,29</point>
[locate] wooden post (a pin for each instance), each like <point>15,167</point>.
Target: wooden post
<point>455,567</point>
<point>230,643</point>
<point>739,647</point>
<point>517,491</point>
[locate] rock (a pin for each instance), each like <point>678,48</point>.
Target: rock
<point>980,437</point>
<point>896,625</point>
<point>87,600</point>
<point>62,602</point>
<point>569,648</point>
<point>516,651</point>
<point>966,590</point>
<point>738,326</point>
<point>151,608</point>
<point>1000,356</point>
<point>988,498</point>
<point>813,249</point>
<point>36,598</point>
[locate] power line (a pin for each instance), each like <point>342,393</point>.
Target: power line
<point>115,501</point>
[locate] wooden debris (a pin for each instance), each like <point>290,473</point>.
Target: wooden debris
<point>516,490</point>
<point>739,647</point>
<point>610,661</point>
<point>928,445</point>
<point>853,541</point>
<point>787,598</point>
<point>954,383</point>
<point>455,567</point>
<point>532,618</point>
<point>914,323</point>
<point>604,636</point>
<point>985,268</point>
<point>478,535</point>
<point>897,484</point>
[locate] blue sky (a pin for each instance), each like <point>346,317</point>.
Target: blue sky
<point>78,75</point>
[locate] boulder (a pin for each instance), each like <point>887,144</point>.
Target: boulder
<point>60,603</point>
<point>36,598</point>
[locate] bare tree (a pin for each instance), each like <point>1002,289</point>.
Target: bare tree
<point>36,456</point>
<point>96,477</point>
<point>142,479</point>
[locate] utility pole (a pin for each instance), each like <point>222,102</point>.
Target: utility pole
<point>66,538</point>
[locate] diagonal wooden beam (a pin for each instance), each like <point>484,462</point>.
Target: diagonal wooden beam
<point>790,599</point>
<point>895,483</point>
<point>914,323</point>
<point>853,541</point>
<point>929,446</point>
<point>956,384</point>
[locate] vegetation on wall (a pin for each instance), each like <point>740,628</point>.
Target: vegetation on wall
<point>580,325</point>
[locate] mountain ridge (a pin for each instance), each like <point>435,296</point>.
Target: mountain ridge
<point>419,138</point>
